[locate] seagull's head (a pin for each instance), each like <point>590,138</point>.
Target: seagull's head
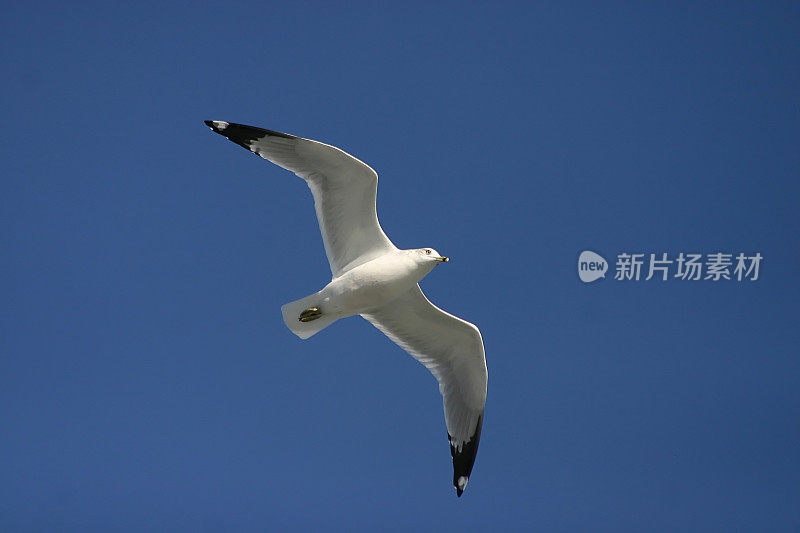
<point>431,256</point>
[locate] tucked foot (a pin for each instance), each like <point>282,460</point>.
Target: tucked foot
<point>312,313</point>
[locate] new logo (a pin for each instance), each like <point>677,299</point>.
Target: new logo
<point>591,266</point>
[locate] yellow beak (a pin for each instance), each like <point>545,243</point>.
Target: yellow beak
<point>443,259</point>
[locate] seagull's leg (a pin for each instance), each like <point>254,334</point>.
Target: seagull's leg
<point>312,313</point>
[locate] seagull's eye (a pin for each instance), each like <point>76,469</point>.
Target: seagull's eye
<point>428,252</point>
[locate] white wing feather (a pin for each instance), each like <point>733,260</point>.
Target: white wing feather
<point>344,190</point>
<point>451,348</point>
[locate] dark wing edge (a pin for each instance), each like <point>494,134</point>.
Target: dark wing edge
<point>464,458</point>
<point>243,135</point>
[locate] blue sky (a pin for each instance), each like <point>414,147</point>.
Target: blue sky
<point>147,381</point>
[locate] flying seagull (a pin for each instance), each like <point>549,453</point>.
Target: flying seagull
<point>371,277</point>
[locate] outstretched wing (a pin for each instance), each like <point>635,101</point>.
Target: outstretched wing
<point>344,190</point>
<point>452,349</point>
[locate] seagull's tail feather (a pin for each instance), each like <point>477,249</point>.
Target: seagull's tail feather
<point>291,316</point>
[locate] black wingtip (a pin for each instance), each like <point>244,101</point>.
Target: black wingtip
<point>241,130</point>
<point>245,136</point>
<point>464,459</point>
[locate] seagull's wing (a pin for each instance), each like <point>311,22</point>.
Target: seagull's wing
<point>344,190</point>
<point>452,349</point>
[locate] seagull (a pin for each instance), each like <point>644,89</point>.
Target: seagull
<point>371,277</point>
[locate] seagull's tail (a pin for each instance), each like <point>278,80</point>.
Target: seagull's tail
<point>291,316</point>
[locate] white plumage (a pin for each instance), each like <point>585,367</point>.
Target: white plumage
<point>373,278</point>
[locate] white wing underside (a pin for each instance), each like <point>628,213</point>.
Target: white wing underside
<point>451,348</point>
<point>344,190</point>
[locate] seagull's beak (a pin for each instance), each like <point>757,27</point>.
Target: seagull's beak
<point>443,259</point>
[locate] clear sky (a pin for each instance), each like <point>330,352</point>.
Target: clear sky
<point>147,381</point>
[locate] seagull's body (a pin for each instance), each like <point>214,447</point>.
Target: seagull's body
<point>371,277</point>
<point>373,284</point>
